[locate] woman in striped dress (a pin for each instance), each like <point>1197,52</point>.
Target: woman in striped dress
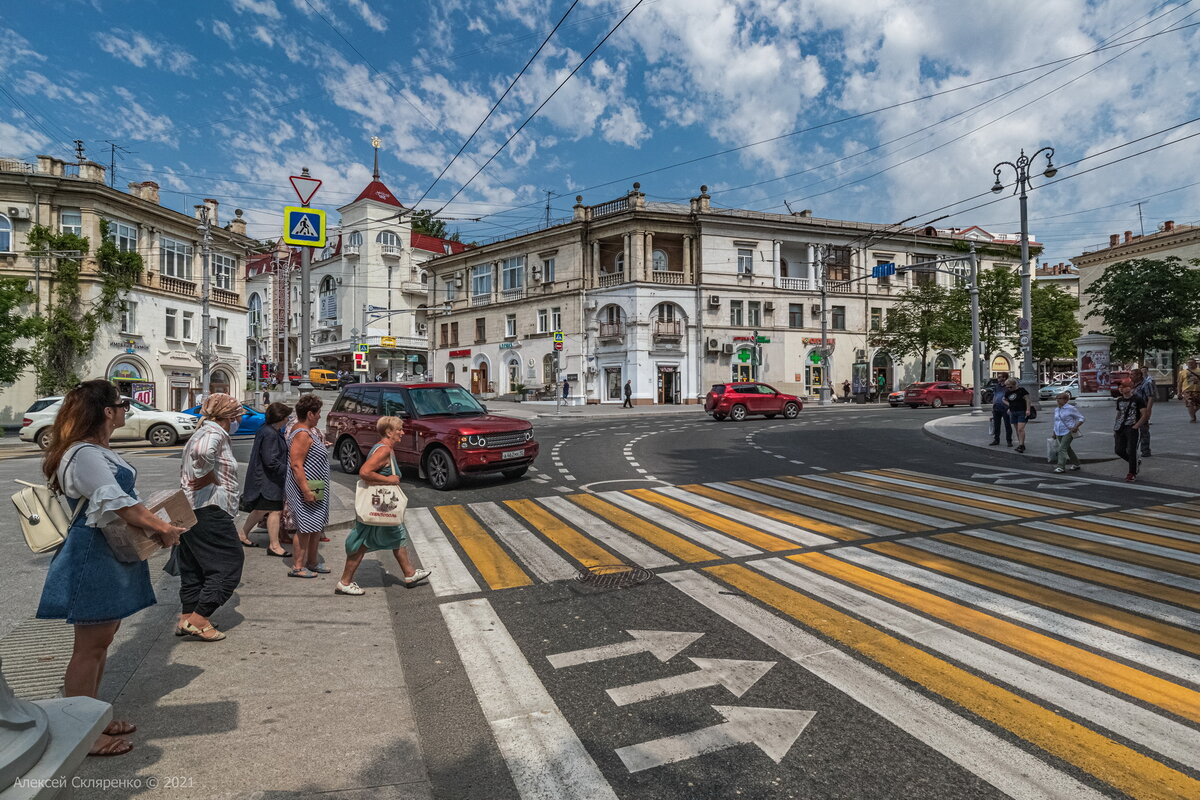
<point>307,487</point>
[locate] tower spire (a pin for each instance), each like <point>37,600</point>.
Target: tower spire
<point>375,144</point>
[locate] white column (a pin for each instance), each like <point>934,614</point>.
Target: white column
<point>810,260</point>
<point>687,260</point>
<point>595,265</point>
<point>775,245</point>
<point>649,256</point>
<point>627,247</point>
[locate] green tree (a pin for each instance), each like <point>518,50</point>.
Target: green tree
<point>424,222</point>
<point>17,326</point>
<point>927,318</point>
<point>1054,322</point>
<point>1148,304</point>
<point>999,308</point>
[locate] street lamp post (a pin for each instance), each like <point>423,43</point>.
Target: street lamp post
<point>1028,378</point>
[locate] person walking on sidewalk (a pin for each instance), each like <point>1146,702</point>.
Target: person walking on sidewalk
<point>566,389</point>
<point>628,395</point>
<point>1067,420</point>
<point>262,495</point>
<point>1000,416</point>
<point>846,391</point>
<point>1188,387</point>
<point>209,556</point>
<point>363,538</point>
<point>86,585</point>
<point>1016,398</point>
<point>1143,387</point>
<point>1131,416</point>
<point>306,486</point>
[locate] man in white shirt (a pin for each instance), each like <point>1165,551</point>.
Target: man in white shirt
<point>1067,421</point>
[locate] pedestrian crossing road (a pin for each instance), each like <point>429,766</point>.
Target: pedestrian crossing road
<point>879,632</point>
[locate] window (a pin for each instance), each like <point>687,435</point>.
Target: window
<point>327,299</point>
<point>186,332</point>
<point>745,261</point>
<point>254,316</point>
<point>124,234</point>
<point>543,321</point>
<point>129,317</point>
<point>451,289</point>
<point>660,260</point>
<point>5,235</point>
<point>663,312</point>
<point>876,319</point>
<point>223,268</point>
<point>481,280</point>
<point>175,258</point>
<point>70,220</point>
<point>454,333</point>
<point>735,313</point>
<point>354,239</point>
<point>753,313</point>
<point>171,329</point>
<point>556,319</point>
<point>481,329</point>
<point>445,333</point>
<point>924,275</point>
<point>619,262</point>
<point>837,264</point>
<point>510,326</point>
<point>839,318</point>
<point>547,270</point>
<point>795,315</point>
<point>512,273</point>
<point>368,401</point>
<point>885,280</point>
<point>222,332</point>
<point>391,403</point>
<point>388,239</point>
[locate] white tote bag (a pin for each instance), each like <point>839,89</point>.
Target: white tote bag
<point>380,505</point>
<point>1051,450</point>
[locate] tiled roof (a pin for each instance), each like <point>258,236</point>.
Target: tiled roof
<point>432,244</point>
<point>379,193</point>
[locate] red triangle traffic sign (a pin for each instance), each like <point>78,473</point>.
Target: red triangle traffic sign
<point>305,187</point>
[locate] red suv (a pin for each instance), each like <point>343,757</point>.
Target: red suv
<point>446,431</point>
<point>739,400</point>
<point>937,394</point>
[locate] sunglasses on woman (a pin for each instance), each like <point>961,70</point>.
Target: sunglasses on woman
<point>123,404</point>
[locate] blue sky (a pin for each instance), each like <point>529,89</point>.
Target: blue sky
<point>226,98</point>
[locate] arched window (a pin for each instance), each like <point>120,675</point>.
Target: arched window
<point>660,260</point>
<point>514,374</point>
<point>6,242</point>
<point>549,374</point>
<point>424,277</point>
<point>254,315</point>
<point>354,239</point>
<point>664,312</point>
<point>450,374</point>
<point>388,238</point>
<point>619,262</point>
<point>328,299</point>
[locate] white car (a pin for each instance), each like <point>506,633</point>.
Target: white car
<point>160,428</point>
<point>1055,389</point>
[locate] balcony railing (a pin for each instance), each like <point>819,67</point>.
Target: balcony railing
<point>668,329</point>
<point>611,207</point>
<point>608,279</point>
<point>351,250</point>
<point>612,330</point>
<point>176,286</point>
<point>512,294</point>
<point>390,250</point>
<point>840,287</point>
<point>673,277</point>
<point>480,300</point>
<point>796,284</point>
<point>225,296</point>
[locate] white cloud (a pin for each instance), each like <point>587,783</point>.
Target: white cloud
<point>262,8</point>
<point>373,18</point>
<point>19,141</point>
<point>624,127</point>
<point>138,50</point>
<point>477,25</point>
<point>15,49</point>
<point>223,31</point>
<point>133,121</point>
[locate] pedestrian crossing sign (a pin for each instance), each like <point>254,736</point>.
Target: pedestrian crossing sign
<point>303,227</point>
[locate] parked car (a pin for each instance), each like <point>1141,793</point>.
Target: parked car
<point>937,394</point>
<point>251,422</point>
<point>896,399</point>
<point>988,392</point>
<point>1053,390</point>
<point>347,379</point>
<point>447,432</point>
<point>160,428</point>
<point>739,400</point>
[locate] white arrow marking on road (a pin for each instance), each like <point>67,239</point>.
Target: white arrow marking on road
<point>774,730</point>
<point>736,676</point>
<point>663,645</point>
<point>1063,485</point>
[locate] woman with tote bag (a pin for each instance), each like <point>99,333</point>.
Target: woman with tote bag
<point>379,470</point>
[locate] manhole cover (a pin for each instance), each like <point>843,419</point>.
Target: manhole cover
<point>614,576</point>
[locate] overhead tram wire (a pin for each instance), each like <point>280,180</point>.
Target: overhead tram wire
<point>496,105</point>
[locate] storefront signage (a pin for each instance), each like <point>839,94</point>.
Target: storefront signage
<point>956,375</point>
<point>807,340</point>
<point>762,339</point>
<point>460,354</point>
<point>387,341</point>
<point>129,345</point>
<point>662,368</point>
<point>509,345</point>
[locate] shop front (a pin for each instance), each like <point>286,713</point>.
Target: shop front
<point>670,384</point>
<point>133,377</point>
<point>182,372</point>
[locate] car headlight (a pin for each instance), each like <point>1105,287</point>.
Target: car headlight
<point>529,434</point>
<point>476,441</point>
<point>186,420</point>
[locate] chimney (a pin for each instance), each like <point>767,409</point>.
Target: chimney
<point>806,213</point>
<point>1114,240</point>
<point>91,171</point>
<point>580,209</point>
<point>238,223</point>
<point>212,211</point>
<point>1169,226</point>
<point>49,165</point>
<point>1128,237</point>
<point>146,190</point>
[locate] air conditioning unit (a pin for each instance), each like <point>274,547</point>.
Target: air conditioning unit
<point>727,349</point>
<point>769,307</point>
<point>18,212</point>
<point>712,345</point>
<point>816,309</point>
<point>422,328</point>
<point>714,301</point>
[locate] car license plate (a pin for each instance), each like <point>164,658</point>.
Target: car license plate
<point>512,454</point>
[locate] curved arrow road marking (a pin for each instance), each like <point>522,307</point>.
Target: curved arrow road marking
<point>736,676</point>
<point>774,730</point>
<point>663,645</point>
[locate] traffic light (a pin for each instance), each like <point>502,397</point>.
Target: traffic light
<point>360,362</point>
<point>264,371</point>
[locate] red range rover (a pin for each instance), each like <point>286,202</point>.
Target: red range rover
<point>739,400</point>
<point>447,433</point>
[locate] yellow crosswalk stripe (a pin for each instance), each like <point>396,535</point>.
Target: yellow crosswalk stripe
<point>1002,494</point>
<point>896,523</point>
<point>1136,774</point>
<point>933,494</point>
<point>737,530</point>
<point>1116,529</point>
<point>1114,674</point>
<point>807,523</point>
<point>1154,630</point>
<point>1104,577</point>
<point>494,564</point>
<point>891,500</point>
<point>1106,550</point>
<point>662,539</point>
<point>1177,524</point>
<point>576,545</point>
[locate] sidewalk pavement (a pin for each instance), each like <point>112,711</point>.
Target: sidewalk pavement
<point>1174,443</point>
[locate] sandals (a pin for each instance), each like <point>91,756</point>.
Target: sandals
<point>416,577</point>
<point>301,573</point>
<point>284,554</point>
<point>118,728</point>
<point>206,634</point>
<point>320,569</point>
<point>248,543</point>
<point>113,747</point>
<point>353,589</point>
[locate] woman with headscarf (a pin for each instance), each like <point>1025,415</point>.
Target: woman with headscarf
<point>209,556</point>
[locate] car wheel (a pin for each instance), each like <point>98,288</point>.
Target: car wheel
<point>718,417</point>
<point>791,411</point>
<point>162,436</point>
<point>937,402</point>
<point>440,469</point>
<point>349,456</point>
<point>737,413</point>
<point>513,474</point>
<point>43,438</point>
